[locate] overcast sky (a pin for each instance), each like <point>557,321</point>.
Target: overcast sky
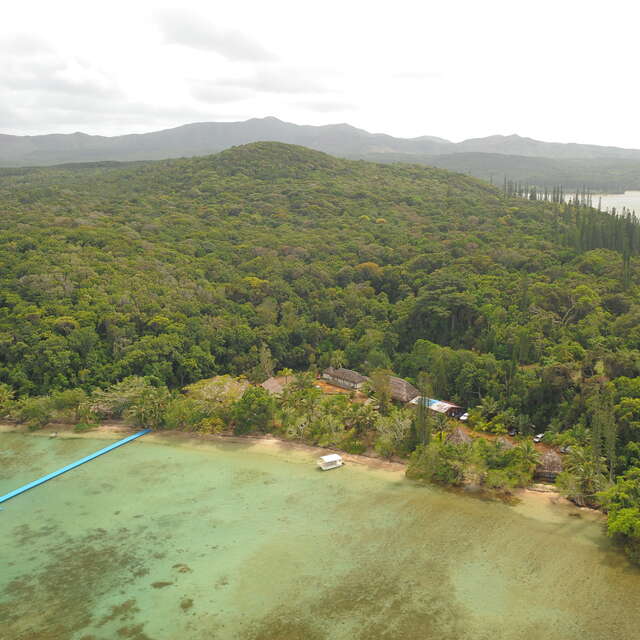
<point>559,70</point>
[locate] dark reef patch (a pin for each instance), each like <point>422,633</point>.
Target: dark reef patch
<point>121,612</point>
<point>182,568</point>
<point>24,534</point>
<point>161,585</point>
<point>78,573</point>
<point>135,632</point>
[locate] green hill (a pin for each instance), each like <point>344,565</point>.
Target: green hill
<point>180,269</point>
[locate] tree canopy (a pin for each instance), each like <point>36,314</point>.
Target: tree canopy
<point>270,256</point>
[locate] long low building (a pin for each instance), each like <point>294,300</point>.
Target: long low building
<point>345,378</point>
<point>399,389</point>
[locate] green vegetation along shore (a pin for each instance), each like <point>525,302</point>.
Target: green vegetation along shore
<point>272,257</point>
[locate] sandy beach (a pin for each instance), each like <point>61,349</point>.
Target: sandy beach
<point>540,494</point>
<point>267,441</point>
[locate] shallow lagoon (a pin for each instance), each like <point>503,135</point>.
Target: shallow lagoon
<point>167,539</point>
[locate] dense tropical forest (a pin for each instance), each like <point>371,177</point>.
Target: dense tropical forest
<point>126,283</point>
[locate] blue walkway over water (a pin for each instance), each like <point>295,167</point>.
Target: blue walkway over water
<point>73,465</point>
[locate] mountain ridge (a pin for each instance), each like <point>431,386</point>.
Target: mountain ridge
<point>341,139</point>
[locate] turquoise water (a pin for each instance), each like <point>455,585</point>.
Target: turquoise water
<point>165,539</point>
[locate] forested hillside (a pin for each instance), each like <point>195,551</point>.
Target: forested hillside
<point>185,268</point>
<point>135,278</point>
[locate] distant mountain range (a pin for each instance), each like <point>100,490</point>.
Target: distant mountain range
<point>490,158</point>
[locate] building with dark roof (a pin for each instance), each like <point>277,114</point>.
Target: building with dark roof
<point>345,378</point>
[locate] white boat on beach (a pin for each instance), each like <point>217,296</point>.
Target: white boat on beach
<point>331,461</point>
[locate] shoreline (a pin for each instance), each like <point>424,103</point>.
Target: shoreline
<point>268,439</point>
<point>536,493</point>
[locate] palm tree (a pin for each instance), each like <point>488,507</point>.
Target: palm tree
<point>489,407</point>
<point>523,424</point>
<point>528,455</point>
<point>287,374</point>
<point>338,359</point>
<point>583,476</point>
<point>442,426</point>
<point>148,409</point>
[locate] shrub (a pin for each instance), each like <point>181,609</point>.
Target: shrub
<point>353,445</point>
<point>253,411</point>
<point>36,412</point>
<point>500,479</point>
<point>70,402</point>
<point>184,414</point>
<point>217,395</point>
<point>84,426</point>
<point>7,402</point>
<point>440,462</point>
<point>622,501</point>
<point>119,398</point>
<point>148,409</point>
<point>210,425</point>
<point>394,432</point>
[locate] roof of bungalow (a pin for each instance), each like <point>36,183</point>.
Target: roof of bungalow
<point>402,390</point>
<point>346,374</point>
<point>458,436</point>
<point>276,384</point>
<point>550,463</point>
<point>505,443</point>
<point>435,405</point>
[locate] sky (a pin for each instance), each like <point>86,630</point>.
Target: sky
<point>564,71</point>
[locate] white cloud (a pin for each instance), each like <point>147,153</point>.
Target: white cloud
<point>326,106</point>
<point>24,44</point>
<point>271,79</point>
<point>458,70</point>
<point>58,76</point>
<point>196,31</point>
<point>213,93</point>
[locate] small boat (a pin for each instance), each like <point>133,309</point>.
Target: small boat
<point>331,461</point>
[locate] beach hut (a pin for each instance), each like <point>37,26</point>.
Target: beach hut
<point>458,436</point>
<point>401,390</point>
<point>504,443</point>
<point>276,384</point>
<point>330,461</point>
<point>549,467</point>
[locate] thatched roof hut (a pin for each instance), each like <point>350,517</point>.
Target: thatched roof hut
<point>549,467</point>
<point>276,384</point>
<point>401,390</point>
<point>459,436</point>
<point>505,443</point>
